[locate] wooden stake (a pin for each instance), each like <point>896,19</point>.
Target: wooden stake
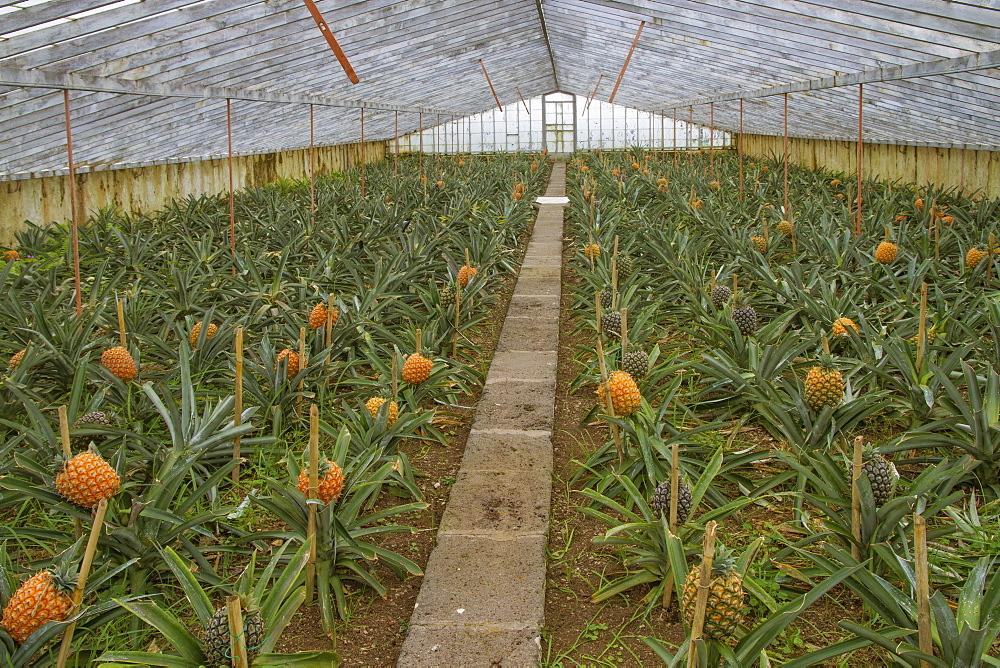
<point>624,316</point>
<point>312,502</point>
<point>458,315</point>
<point>923,587</point>
<point>81,580</point>
<point>419,336</point>
<point>121,323</point>
<point>238,641</point>
<point>68,455</point>
<point>735,288</point>
<point>303,361</point>
<point>989,257</point>
<point>238,403</point>
<point>856,473</point>
<point>922,331</point>
<point>328,326</point>
<point>395,373</point>
<point>675,485</point>
<point>711,284</point>
<point>704,581</point>
<point>608,402</point>
<point>597,308</point>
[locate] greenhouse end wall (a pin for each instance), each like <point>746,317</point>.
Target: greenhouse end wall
<point>46,199</point>
<point>977,172</point>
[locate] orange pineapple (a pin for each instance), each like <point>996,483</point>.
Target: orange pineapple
<point>375,403</point>
<point>45,597</point>
<point>416,369</point>
<point>331,481</point>
<point>625,395</point>
<point>465,275</point>
<point>119,362</point>
<point>293,361</point>
<point>196,332</point>
<point>840,326</point>
<point>317,317</point>
<point>16,358</point>
<point>87,479</point>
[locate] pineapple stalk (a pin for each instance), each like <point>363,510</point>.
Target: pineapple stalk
<point>238,401</point>
<point>238,650</point>
<point>311,500</point>
<point>704,581</point>
<point>856,473</point>
<point>624,314</point>
<point>81,583</point>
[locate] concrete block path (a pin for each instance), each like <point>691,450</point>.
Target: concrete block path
<point>482,602</point>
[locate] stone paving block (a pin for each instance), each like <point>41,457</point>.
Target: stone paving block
<point>523,365</point>
<point>537,286</point>
<point>552,273</point>
<point>483,580</point>
<point>529,334</point>
<point>531,304</point>
<point>487,502</point>
<point>516,405</point>
<point>487,645</point>
<point>511,451</point>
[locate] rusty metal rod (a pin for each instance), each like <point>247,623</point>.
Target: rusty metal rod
<point>332,41</point>
<point>593,93</point>
<point>621,75</point>
<point>490,83</point>
<point>75,240</point>
<point>522,101</point>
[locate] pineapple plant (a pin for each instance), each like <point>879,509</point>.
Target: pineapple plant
<point>746,320</point>
<point>661,501</point>
<point>786,227</point>
<point>593,251</point>
<point>331,481</point>
<point>760,243</point>
<point>218,639</point>
<point>375,403</point>
<point>932,333</point>
<point>87,479</point>
<point>840,326</point>
<point>319,313</point>
<point>611,323</point>
<point>725,608</point>
<point>824,385</point>
<point>416,369</point>
<point>636,363</point>
<point>625,395</point>
<point>447,294</point>
<point>720,295</point>
<point>886,252</point>
<point>974,257</point>
<point>196,332</point>
<point>44,597</point>
<point>465,275</point>
<point>881,473</point>
<point>292,358</point>
<point>608,298</point>
<point>119,362</point>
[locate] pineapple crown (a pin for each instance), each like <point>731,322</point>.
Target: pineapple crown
<point>870,451</point>
<point>826,361</point>
<point>724,561</point>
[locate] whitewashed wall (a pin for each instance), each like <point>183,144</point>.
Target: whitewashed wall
<point>518,127</point>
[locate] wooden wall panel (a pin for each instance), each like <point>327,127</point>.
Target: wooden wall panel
<point>44,200</point>
<point>970,170</point>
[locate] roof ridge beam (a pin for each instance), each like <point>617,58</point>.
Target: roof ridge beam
<point>37,78</point>
<point>969,63</point>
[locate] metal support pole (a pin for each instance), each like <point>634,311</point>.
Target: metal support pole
<point>232,204</point>
<point>739,150</point>
<point>312,169</point>
<point>711,136</point>
<point>74,214</point>
<point>362,151</point>
<point>395,155</point>
<point>861,98</point>
<point>784,121</point>
<point>621,75</point>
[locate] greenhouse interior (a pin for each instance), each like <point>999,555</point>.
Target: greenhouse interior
<point>511,333</point>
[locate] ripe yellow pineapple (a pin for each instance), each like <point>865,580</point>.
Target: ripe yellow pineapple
<point>87,479</point>
<point>293,361</point>
<point>886,252</point>
<point>785,227</point>
<point>465,275</point>
<point>824,385</point>
<point>331,481</point>
<point>119,362</point>
<point>416,369</point>
<point>45,597</point>
<point>760,242</point>
<point>974,257</point>
<point>840,326</point>
<point>16,358</point>
<point>625,394</point>
<point>593,251</point>
<point>317,317</point>
<point>375,403</point>
<point>196,332</point>
<point>725,607</point>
